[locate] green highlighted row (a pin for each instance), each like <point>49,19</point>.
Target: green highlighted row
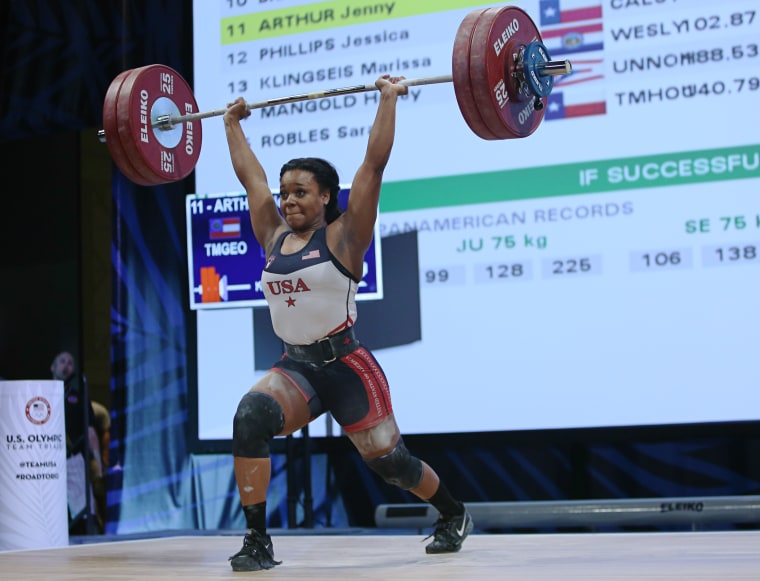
<point>673,169</point>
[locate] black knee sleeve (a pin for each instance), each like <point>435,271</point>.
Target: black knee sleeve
<point>257,420</point>
<point>398,467</point>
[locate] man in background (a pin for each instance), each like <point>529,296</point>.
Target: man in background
<point>83,448</point>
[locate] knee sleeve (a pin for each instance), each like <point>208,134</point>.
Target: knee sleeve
<point>398,467</point>
<point>258,419</point>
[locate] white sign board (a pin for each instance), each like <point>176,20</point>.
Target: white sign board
<point>33,511</point>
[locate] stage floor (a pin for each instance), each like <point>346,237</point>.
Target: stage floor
<point>692,556</point>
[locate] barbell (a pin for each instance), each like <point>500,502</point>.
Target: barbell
<point>501,71</point>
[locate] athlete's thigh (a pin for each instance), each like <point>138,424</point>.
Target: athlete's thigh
<point>356,391</point>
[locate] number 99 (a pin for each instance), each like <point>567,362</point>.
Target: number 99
<point>432,276</point>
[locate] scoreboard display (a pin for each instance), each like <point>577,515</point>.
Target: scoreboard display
<point>601,272</point>
<point>225,261</point>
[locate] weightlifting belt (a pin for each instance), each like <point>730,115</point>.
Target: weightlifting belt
<point>325,350</point>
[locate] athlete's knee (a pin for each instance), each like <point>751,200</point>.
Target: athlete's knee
<point>398,467</point>
<point>259,417</point>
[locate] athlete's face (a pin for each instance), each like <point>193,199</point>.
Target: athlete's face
<point>301,202</point>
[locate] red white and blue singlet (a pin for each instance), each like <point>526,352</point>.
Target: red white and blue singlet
<point>310,294</point>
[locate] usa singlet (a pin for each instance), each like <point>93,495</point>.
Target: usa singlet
<point>310,294</point>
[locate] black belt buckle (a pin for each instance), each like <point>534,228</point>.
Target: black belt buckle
<point>328,353</point>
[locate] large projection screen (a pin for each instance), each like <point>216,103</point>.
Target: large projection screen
<point>601,272</point>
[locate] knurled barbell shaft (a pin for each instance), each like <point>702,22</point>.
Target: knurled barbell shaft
<point>168,122</point>
<point>165,122</point>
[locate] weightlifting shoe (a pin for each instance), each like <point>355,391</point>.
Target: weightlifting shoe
<point>449,534</point>
<point>257,553</point>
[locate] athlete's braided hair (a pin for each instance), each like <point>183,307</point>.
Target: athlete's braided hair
<point>325,175</point>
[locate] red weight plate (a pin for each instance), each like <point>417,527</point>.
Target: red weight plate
<point>146,94</point>
<point>460,64</point>
<point>110,127</point>
<point>126,139</point>
<point>498,35</point>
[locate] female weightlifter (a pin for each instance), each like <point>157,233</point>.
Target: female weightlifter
<point>315,253</point>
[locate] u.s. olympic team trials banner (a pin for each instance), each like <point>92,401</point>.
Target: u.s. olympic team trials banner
<point>33,504</point>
